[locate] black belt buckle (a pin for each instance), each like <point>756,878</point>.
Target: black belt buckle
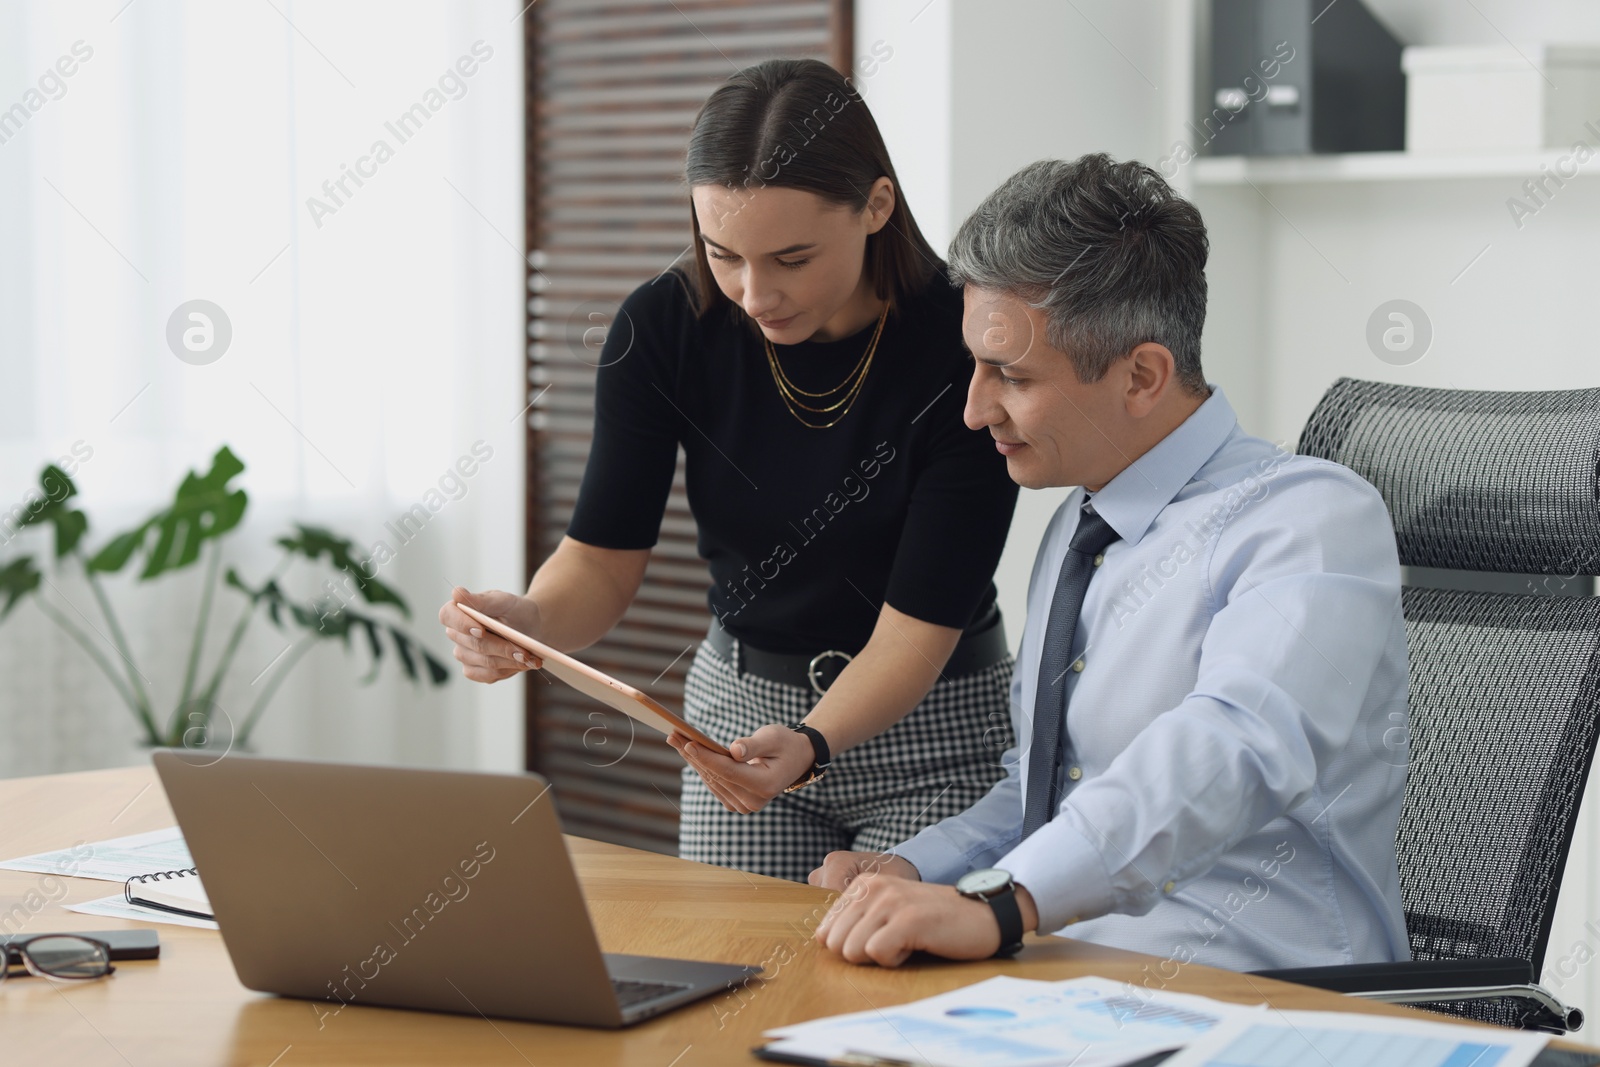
<point>815,665</point>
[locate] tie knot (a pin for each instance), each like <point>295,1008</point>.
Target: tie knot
<point>1093,534</point>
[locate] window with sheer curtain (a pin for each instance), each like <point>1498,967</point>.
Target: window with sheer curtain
<point>343,185</point>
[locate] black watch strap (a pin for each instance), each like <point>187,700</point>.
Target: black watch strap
<point>822,758</point>
<point>1009,915</point>
<point>819,744</point>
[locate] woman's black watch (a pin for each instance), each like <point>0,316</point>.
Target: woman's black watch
<point>819,746</point>
<point>995,887</point>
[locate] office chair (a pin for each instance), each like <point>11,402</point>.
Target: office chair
<point>1505,686</point>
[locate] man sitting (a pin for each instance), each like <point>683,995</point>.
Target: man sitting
<point>1214,653</point>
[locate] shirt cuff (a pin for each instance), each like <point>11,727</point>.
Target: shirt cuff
<point>934,855</point>
<point>1063,872</point>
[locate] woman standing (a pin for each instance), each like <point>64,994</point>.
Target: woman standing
<point>811,366</point>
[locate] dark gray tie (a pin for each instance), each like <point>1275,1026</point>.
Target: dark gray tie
<point>1050,698</point>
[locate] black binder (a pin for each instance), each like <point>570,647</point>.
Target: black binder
<point>1293,77</point>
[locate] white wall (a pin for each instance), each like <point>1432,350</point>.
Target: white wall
<point>910,97</point>
<point>1519,318</point>
<point>968,99</point>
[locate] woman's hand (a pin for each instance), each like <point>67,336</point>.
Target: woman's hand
<point>485,657</point>
<point>888,678</point>
<point>764,765</point>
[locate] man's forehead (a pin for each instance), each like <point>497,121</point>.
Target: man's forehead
<point>996,326</point>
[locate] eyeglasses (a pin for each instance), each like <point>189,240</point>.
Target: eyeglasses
<point>64,957</point>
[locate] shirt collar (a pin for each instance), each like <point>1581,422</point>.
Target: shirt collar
<point>1131,501</point>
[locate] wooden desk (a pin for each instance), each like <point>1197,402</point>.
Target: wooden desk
<point>188,1008</point>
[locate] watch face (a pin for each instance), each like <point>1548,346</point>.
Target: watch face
<point>984,882</point>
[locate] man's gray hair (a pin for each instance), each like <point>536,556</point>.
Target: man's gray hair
<point>1107,251</point>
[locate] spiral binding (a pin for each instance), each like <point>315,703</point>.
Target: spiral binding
<point>158,876</point>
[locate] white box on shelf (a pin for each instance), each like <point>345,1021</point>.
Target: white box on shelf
<point>1501,98</point>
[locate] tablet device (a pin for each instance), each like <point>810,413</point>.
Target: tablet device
<point>602,687</point>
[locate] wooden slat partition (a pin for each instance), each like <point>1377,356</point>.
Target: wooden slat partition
<point>612,89</point>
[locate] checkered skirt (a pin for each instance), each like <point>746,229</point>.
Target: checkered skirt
<point>934,763</point>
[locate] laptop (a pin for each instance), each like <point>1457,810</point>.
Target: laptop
<point>441,890</point>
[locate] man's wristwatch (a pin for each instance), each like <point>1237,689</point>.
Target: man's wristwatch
<point>996,888</point>
<point>819,767</point>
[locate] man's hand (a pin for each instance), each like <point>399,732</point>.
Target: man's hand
<point>839,869</point>
<point>763,765</point>
<point>882,919</point>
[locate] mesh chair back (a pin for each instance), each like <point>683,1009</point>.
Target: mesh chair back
<point>1505,688</point>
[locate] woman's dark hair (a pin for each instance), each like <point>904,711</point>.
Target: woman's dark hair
<point>800,124</point>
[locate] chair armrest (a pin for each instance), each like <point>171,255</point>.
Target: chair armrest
<point>1411,974</point>
<point>1442,982</point>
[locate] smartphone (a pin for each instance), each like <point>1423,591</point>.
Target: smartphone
<point>125,944</point>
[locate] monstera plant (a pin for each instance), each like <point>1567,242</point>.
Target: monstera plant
<point>205,509</point>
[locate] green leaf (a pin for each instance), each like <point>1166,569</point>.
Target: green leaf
<point>56,488</point>
<point>313,542</point>
<point>375,645</point>
<point>331,622</point>
<point>231,577</point>
<point>307,617</point>
<point>70,528</point>
<point>402,645</point>
<point>437,670</point>
<point>17,579</point>
<point>372,639</point>
<point>114,556</point>
<point>204,508</point>
<point>269,592</point>
<point>327,619</point>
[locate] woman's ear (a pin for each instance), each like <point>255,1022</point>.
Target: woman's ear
<point>880,204</point>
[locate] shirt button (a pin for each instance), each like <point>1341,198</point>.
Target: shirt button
<point>1075,773</point>
<point>1169,887</point>
<point>1101,558</point>
<point>1078,666</point>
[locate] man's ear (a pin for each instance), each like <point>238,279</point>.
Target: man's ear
<point>1152,371</point>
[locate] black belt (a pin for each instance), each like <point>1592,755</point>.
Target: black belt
<point>973,653</point>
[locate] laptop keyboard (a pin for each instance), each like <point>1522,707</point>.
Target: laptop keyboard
<point>630,992</point>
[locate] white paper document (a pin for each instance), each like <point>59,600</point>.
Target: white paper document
<point>114,860</point>
<point>1017,1022</point>
<point>1337,1039</point>
<point>118,908</point>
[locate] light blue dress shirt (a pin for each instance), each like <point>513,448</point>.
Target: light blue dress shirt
<point>1234,758</point>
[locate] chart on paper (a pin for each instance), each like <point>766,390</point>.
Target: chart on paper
<point>1013,1022</point>
<point>1283,1046</point>
<point>113,860</point>
<point>1369,1042</point>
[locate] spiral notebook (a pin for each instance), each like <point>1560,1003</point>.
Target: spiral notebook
<point>179,892</point>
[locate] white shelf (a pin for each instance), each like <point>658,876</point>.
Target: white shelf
<point>1380,167</point>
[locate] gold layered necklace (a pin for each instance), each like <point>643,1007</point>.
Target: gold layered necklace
<point>846,391</point>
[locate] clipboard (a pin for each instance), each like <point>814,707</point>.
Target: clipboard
<point>599,685</point>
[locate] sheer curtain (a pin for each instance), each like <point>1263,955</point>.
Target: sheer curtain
<point>344,182</point>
